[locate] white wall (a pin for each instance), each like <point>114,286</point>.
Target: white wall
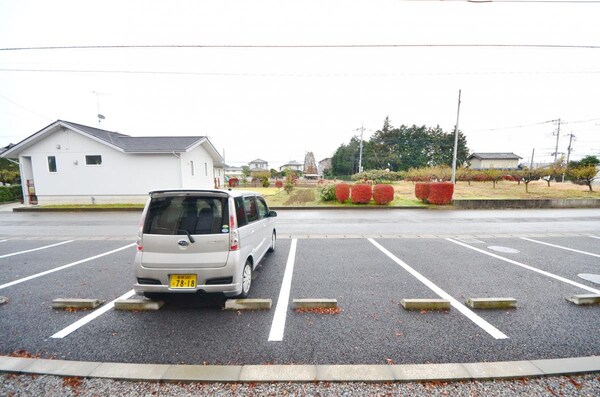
<point>496,163</point>
<point>121,175</point>
<point>203,169</point>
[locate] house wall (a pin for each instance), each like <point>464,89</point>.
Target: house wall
<point>496,163</point>
<point>121,177</point>
<point>204,170</point>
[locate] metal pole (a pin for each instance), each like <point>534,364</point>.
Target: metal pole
<point>556,149</point>
<point>568,154</point>
<point>455,141</point>
<point>362,130</point>
<point>532,153</point>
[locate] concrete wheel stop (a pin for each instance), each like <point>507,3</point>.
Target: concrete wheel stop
<point>314,304</point>
<point>248,304</point>
<point>585,299</point>
<point>138,304</point>
<point>425,304</point>
<point>75,303</point>
<point>492,303</point>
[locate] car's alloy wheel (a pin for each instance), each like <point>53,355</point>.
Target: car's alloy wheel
<point>246,280</point>
<point>273,240</point>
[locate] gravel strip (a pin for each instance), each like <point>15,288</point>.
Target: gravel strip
<point>49,386</point>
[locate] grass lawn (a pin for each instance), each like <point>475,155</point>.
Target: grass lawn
<point>307,196</point>
<point>405,193</point>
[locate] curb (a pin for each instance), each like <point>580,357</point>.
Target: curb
<point>303,373</point>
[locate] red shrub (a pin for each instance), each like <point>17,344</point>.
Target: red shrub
<point>383,194</point>
<point>422,190</point>
<point>234,182</point>
<point>342,192</point>
<point>440,193</point>
<point>361,194</point>
<point>279,184</point>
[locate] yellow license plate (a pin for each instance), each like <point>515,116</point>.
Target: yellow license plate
<point>182,281</point>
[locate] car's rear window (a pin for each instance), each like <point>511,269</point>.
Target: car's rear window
<point>187,214</point>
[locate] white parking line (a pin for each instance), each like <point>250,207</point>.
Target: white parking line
<point>595,237</point>
<point>95,314</point>
<point>3,241</point>
<point>533,269</point>
<point>21,280</point>
<point>35,249</point>
<point>487,327</point>
<point>278,325</point>
<point>560,246</point>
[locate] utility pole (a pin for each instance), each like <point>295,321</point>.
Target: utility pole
<point>455,141</point>
<point>362,130</point>
<point>571,136</point>
<point>556,149</point>
<point>531,164</point>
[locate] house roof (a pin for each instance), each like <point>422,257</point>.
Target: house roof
<point>258,161</point>
<point>293,162</point>
<point>128,143</point>
<point>122,142</point>
<point>495,156</point>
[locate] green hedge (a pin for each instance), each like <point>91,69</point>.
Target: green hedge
<point>10,193</point>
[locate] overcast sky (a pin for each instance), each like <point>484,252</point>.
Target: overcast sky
<point>278,103</point>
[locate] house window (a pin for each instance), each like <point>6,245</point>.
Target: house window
<point>192,167</point>
<point>52,164</point>
<point>93,160</point>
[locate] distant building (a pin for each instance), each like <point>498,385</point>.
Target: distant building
<point>324,166</point>
<point>258,165</point>
<point>292,166</point>
<point>499,161</point>
<point>234,172</point>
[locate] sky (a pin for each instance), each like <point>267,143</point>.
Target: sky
<point>276,79</point>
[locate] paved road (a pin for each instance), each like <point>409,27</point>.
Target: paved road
<point>332,223</point>
<point>463,253</point>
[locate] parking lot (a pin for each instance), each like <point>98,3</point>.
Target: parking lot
<point>368,275</point>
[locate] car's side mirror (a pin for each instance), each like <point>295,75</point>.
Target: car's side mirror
<point>272,214</point>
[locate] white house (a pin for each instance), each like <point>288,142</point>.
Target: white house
<point>258,165</point>
<point>499,161</point>
<point>292,166</point>
<point>234,172</point>
<point>67,162</point>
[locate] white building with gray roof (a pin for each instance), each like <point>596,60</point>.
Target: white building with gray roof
<point>66,162</point>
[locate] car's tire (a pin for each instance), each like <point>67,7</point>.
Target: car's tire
<point>246,280</point>
<point>273,241</point>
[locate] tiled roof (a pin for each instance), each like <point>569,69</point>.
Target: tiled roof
<point>495,156</point>
<point>139,144</point>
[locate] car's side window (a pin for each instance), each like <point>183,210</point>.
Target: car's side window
<point>240,212</point>
<point>263,210</point>
<point>250,209</point>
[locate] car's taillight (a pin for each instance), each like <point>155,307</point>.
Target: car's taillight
<point>139,239</point>
<point>234,237</point>
<point>234,241</point>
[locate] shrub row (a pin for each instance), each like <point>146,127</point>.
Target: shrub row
<point>10,193</point>
<point>362,193</point>
<point>438,193</point>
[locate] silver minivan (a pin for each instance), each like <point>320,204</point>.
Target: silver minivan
<point>202,241</point>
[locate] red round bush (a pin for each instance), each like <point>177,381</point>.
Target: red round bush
<point>383,194</point>
<point>342,192</point>
<point>422,190</point>
<point>234,182</point>
<point>361,194</point>
<point>279,184</point>
<point>440,193</point>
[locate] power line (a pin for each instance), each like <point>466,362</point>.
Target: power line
<point>24,108</point>
<point>296,46</point>
<point>182,73</point>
